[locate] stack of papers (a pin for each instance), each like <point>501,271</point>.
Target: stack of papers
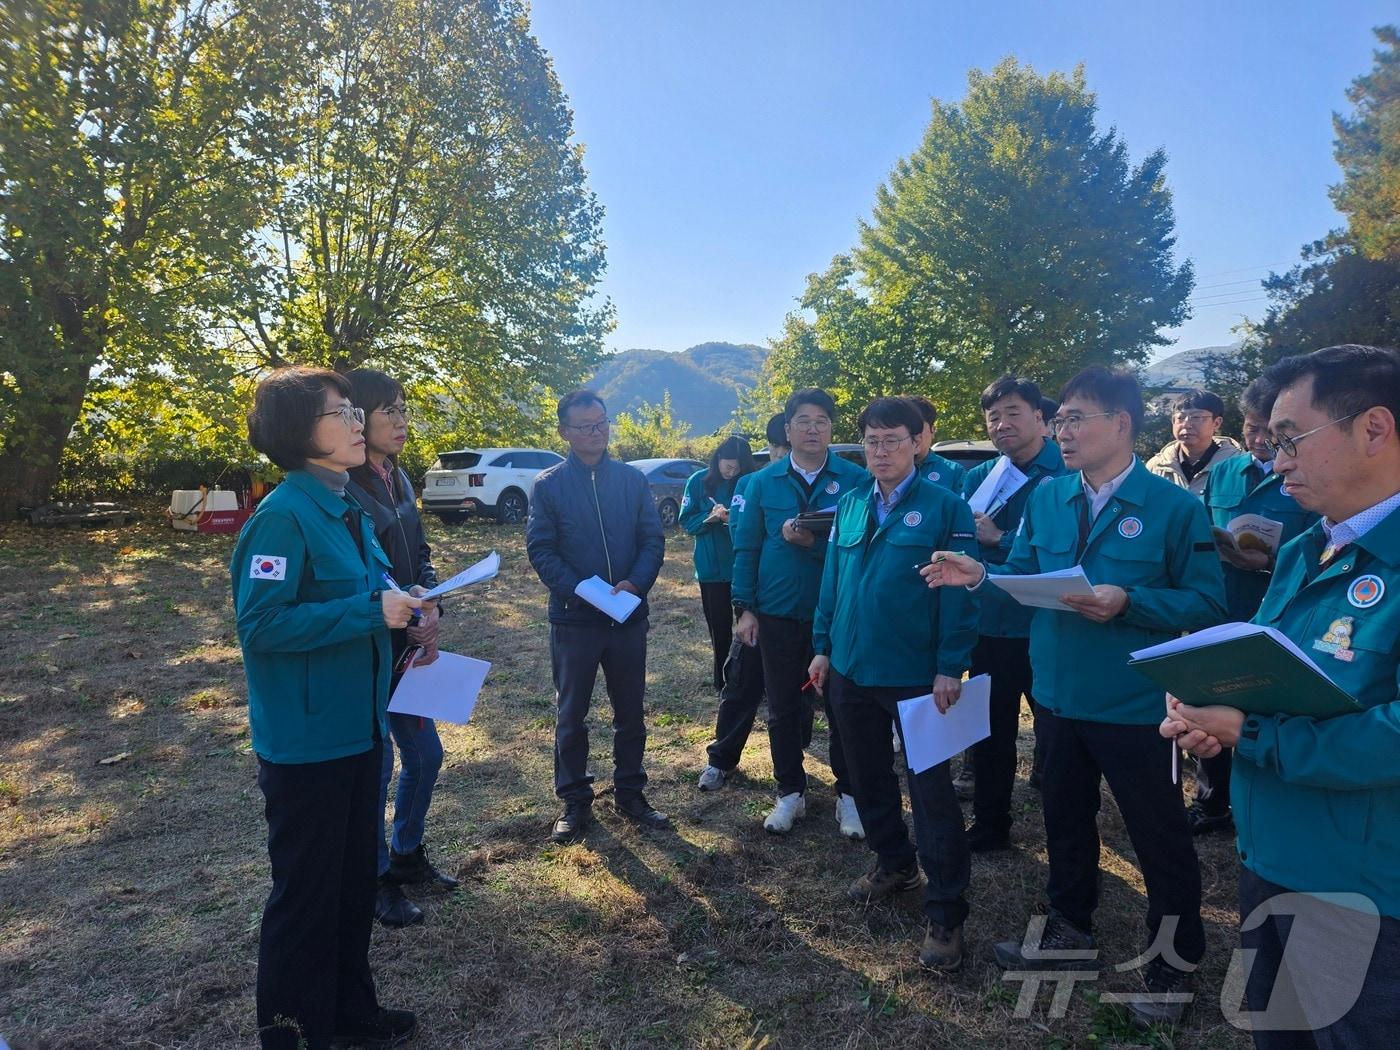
<point>1001,483</point>
<point>597,592</point>
<point>485,569</point>
<point>445,689</point>
<point>932,737</point>
<point>1044,590</point>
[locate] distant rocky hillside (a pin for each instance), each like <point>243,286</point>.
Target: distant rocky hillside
<point>1184,369</point>
<point>704,381</point>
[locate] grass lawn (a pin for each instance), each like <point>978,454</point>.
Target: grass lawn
<point>133,868</point>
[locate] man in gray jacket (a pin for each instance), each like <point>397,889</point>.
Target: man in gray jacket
<point>593,516</point>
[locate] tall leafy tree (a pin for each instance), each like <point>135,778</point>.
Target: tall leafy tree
<point>1368,150</point>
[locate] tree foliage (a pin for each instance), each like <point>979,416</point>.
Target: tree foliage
<point>1368,150</point>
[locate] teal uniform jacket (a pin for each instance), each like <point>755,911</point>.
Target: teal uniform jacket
<point>1227,495</point>
<point>315,648</point>
<point>1002,615</point>
<point>1317,803</point>
<point>943,472</point>
<point>1152,539</point>
<point>877,619</point>
<point>714,552</point>
<point>771,575</point>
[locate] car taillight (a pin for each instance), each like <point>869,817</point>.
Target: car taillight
<point>476,480</point>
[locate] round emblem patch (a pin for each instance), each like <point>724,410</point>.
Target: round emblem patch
<point>833,487</point>
<point>1130,528</point>
<point>913,518</point>
<point>1366,591</point>
<point>933,475</point>
<point>266,566</point>
<point>1045,480</point>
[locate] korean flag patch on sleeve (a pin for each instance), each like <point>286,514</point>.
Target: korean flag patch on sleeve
<point>268,567</point>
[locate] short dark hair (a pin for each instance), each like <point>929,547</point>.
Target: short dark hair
<point>1198,398</point>
<point>809,395</point>
<point>1112,389</point>
<point>286,408</point>
<point>1258,398</point>
<point>1048,407</point>
<point>927,410</point>
<point>890,412</point>
<point>1346,379</point>
<point>775,433</point>
<point>371,389</point>
<point>577,399</point>
<point>1012,386</point>
<point>732,447</point>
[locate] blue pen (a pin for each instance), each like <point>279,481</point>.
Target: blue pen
<point>393,586</point>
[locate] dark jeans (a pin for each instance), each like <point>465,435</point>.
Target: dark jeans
<point>1320,977</point>
<point>719,619</point>
<point>786,646</point>
<point>866,715</point>
<point>1136,762</point>
<point>1008,661</point>
<point>1213,782</point>
<point>577,651</point>
<point>420,759</point>
<point>313,951</point>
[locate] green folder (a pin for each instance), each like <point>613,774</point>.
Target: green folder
<point>1257,671</point>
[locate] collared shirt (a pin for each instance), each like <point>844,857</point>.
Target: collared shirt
<point>810,477</point>
<point>883,506</point>
<point>1344,532</point>
<point>1099,500</point>
<point>1266,465</point>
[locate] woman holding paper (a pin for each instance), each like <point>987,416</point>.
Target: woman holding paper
<point>383,490</point>
<point>313,621</point>
<point>705,515</point>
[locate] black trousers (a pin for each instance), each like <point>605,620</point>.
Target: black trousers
<point>786,646</point>
<point>313,951</point>
<point>1008,661</point>
<point>577,651</point>
<point>1311,982</point>
<point>719,619</point>
<point>1213,782</point>
<point>867,714</point>
<point>1136,762</point>
<point>738,704</point>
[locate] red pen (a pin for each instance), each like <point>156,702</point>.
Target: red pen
<point>808,684</point>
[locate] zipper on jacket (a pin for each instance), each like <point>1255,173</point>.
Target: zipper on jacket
<point>398,519</point>
<point>597,506</point>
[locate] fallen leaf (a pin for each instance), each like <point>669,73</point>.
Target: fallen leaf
<point>111,760</point>
<point>66,637</point>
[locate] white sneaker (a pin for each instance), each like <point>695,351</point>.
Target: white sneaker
<point>789,810</point>
<point>848,817</point>
<point>711,778</point>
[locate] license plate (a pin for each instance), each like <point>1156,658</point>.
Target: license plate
<point>445,481</point>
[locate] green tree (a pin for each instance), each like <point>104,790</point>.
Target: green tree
<point>1368,150</point>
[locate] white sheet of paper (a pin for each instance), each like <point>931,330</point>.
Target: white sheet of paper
<point>597,592</point>
<point>931,737</point>
<point>1001,483</point>
<point>445,689</point>
<point>485,569</point>
<point>1044,590</point>
<point>1225,632</point>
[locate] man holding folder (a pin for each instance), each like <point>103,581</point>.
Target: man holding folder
<point>1146,546</point>
<point>1317,802</point>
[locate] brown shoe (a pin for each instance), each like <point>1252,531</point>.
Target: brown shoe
<point>943,948</point>
<point>878,884</point>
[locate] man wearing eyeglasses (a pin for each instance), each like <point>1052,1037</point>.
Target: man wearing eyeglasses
<point>1146,546</point>
<point>1317,803</point>
<point>1198,446</point>
<point>593,516</point>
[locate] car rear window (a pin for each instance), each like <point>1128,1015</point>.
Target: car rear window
<point>458,460</point>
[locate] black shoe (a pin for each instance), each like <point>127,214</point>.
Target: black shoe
<point>1059,940</point>
<point>878,884</point>
<point>387,1028</point>
<point>572,823</point>
<point>1167,994</point>
<point>637,809</point>
<point>1203,823</point>
<point>392,908</point>
<point>983,838</point>
<point>414,868</point>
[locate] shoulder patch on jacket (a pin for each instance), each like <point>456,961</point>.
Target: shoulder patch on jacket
<point>267,567</point>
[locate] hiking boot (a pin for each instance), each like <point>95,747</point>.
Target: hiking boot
<point>878,884</point>
<point>964,784</point>
<point>711,778</point>
<point>1062,947</point>
<point>943,948</point>
<point>385,1029</point>
<point>1167,995</point>
<point>638,810</point>
<point>572,823</point>
<point>848,818</point>
<point>789,810</point>
<point>392,908</point>
<point>1203,823</point>
<point>983,838</point>
<point>415,868</point>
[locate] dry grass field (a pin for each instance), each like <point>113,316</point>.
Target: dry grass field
<point>133,871</point>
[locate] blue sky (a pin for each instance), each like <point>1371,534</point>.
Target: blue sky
<point>736,145</point>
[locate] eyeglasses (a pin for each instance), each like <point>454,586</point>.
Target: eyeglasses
<point>810,426</point>
<point>1198,418</point>
<point>395,412</point>
<point>349,415</point>
<point>589,428</point>
<point>1072,423</point>
<point>1289,445</point>
<point>889,444</point>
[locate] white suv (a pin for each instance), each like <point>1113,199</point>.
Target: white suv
<point>495,481</point>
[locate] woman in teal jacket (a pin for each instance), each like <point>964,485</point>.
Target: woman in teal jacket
<point>705,515</point>
<point>313,622</point>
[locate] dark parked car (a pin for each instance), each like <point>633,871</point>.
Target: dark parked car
<point>667,478</point>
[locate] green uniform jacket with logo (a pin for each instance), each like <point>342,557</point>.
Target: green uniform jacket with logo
<point>1153,539</point>
<point>1317,803</point>
<point>771,575</point>
<point>1227,495</point>
<point>315,648</point>
<point>1002,615</point>
<point>877,619</point>
<point>714,552</point>
<point>942,472</point>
